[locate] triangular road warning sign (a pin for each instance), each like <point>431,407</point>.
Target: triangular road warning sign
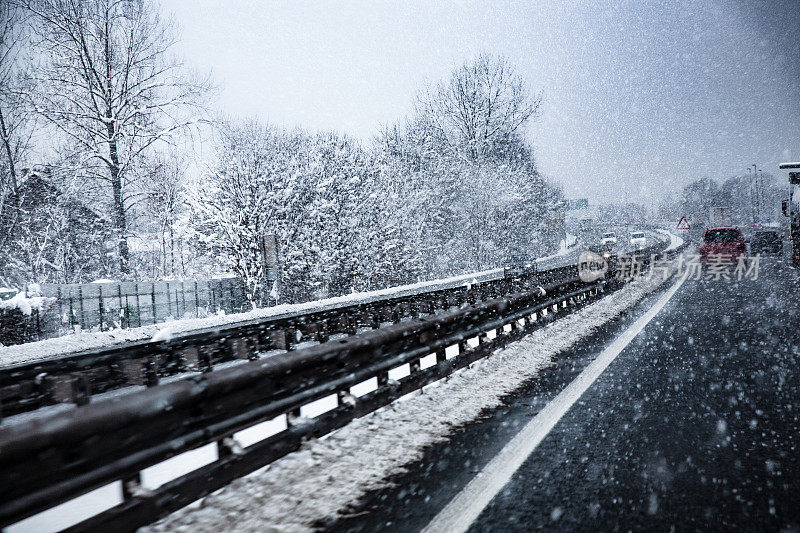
<point>683,223</point>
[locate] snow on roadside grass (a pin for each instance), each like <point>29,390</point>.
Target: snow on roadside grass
<point>319,481</point>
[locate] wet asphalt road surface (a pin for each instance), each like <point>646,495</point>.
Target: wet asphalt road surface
<point>695,425</point>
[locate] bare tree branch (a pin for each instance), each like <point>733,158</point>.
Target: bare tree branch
<point>110,86</point>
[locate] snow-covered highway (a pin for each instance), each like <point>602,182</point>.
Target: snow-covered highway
<point>692,425</point>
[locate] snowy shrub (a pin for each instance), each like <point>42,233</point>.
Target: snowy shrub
<point>19,317</point>
<point>27,304</point>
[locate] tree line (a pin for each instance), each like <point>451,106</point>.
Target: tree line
<point>750,200</point>
<point>96,115</point>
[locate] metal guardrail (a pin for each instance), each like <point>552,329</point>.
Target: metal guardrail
<point>75,378</point>
<point>54,458</point>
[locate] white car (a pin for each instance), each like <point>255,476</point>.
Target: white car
<point>609,238</point>
<point>638,239</point>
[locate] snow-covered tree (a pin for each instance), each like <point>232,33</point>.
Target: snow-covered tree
<point>478,111</point>
<point>467,177</point>
<point>322,195</point>
<point>108,84</point>
<point>746,198</point>
<point>59,237</point>
<point>16,124</point>
<point>159,201</point>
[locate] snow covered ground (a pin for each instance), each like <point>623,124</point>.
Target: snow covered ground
<point>319,481</point>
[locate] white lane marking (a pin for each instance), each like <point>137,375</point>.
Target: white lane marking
<point>468,504</point>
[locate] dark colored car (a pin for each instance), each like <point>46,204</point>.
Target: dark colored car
<point>725,242</point>
<point>766,243</point>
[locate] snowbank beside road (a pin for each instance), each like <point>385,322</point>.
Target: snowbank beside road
<point>674,240</point>
<point>567,253</point>
<point>319,481</point>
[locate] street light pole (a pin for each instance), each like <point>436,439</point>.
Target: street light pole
<point>761,188</point>
<point>752,194</point>
<point>758,193</point>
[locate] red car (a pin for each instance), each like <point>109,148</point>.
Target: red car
<point>726,242</point>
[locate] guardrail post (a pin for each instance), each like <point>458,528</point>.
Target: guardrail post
<point>292,336</point>
<point>191,357</point>
<point>80,390</point>
<point>228,446</point>
<point>253,347</point>
<point>291,416</point>
<point>441,355</point>
<point>207,357</point>
<point>242,348</point>
<point>343,397</point>
<point>351,324</point>
<point>383,379</point>
<point>321,331</point>
<point>469,296</point>
<point>197,358</point>
<point>278,339</point>
<point>131,486</point>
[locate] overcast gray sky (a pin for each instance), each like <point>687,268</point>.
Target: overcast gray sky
<point>639,96</point>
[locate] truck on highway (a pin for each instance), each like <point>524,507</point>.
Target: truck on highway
<point>791,209</point>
